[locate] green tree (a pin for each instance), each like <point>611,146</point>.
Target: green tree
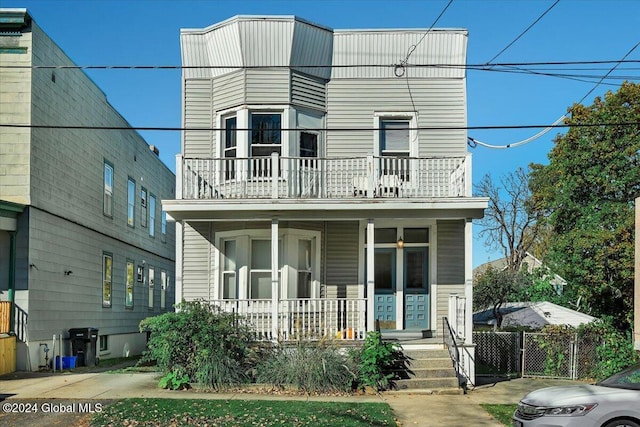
<point>586,195</point>
<point>492,288</point>
<point>508,223</point>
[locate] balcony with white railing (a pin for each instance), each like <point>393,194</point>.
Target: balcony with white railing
<point>278,177</point>
<point>297,319</point>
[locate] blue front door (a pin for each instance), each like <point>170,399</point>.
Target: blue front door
<point>385,291</point>
<point>416,288</point>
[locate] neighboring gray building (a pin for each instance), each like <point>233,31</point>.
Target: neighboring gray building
<point>314,156</point>
<point>83,240</point>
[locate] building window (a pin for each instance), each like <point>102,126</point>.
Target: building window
<point>152,274</point>
<point>143,207</point>
<point>108,189</point>
<point>152,215</point>
<point>304,269</point>
<point>140,274</point>
<point>230,146</point>
<point>260,274</point>
<point>394,137</point>
<point>107,270</point>
<point>131,202</point>
<point>163,289</point>
<point>163,226</point>
<point>128,290</point>
<point>265,134</point>
<point>229,275</point>
<point>104,343</point>
<point>308,144</point>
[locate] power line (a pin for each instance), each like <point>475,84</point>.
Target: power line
<point>523,32</point>
<point>337,129</point>
<point>474,142</point>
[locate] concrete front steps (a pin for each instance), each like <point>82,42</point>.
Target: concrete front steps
<point>427,371</point>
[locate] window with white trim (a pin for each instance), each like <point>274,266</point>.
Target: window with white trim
<point>152,215</point>
<point>163,226</point>
<point>303,288</point>
<point>108,189</point>
<point>229,274</point>
<point>260,273</point>
<point>131,202</point>
<point>266,134</point>
<point>128,290</point>
<point>152,278</point>
<point>395,137</point>
<point>107,278</point>
<point>230,151</point>
<point>163,289</point>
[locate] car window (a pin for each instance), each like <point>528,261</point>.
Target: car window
<point>629,378</point>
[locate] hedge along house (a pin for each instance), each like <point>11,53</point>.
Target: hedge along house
<point>83,241</point>
<point>316,195</point>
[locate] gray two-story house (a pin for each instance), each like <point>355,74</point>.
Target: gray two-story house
<point>324,187</point>
<point>83,240</point>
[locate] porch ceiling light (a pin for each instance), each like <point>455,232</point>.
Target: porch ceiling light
<point>400,243</point>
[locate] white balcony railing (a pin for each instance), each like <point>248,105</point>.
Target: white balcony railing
<point>324,178</point>
<point>312,319</point>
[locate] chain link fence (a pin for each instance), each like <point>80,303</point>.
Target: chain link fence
<point>571,356</point>
<point>528,354</point>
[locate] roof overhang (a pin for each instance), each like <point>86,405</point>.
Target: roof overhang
<point>330,210</point>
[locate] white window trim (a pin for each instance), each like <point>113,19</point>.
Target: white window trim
<point>412,116</point>
<point>289,238</point>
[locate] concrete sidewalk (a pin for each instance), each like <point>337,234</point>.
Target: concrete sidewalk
<point>411,408</point>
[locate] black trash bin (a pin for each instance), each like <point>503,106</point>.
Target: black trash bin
<point>83,345</point>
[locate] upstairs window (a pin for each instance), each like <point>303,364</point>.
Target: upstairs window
<point>394,137</point>
<point>131,202</point>
<point>308,144</point>
<point>266,134</point>
<point>152,216</point>
<point>143,207</point>
<point>163,226</point>
<point>108,189</point>
<point>230,146</point>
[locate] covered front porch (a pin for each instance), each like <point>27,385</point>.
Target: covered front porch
<point>308,269</point>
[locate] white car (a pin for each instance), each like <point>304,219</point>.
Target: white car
<point>614,402</point>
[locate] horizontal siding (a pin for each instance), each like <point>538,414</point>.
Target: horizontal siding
<point>229,91</point>
<point>196,261</point>
<point>353,103</point>
<point>264,86</point>
<point>442,304</point>
<point>342,259</point>
<point>451,252</point>
<point>198,113</point>
<point>308,92</point>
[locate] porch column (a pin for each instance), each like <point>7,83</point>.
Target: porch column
<point>371,272</point>
<point>274,280</point>
<point>468,282</point>
<point>177,289</point>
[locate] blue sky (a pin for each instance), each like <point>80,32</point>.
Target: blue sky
<point>145,32</point>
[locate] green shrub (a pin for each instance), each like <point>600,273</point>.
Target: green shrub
<point>615,352</point>
<point>210,347</point>
<point>377,360</point>
<point>308,366</point>
<point>174,380</point>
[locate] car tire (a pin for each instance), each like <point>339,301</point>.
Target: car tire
<point>622,423</point>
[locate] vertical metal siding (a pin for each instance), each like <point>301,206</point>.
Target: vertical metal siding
<point>194,54</point>
<point>306,35</point>
<point>390,47</point>
<point>266,42</point>
<point>224,48</point>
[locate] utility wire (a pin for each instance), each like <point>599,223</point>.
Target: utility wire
<point>523,33</point>
<point>475,142</point>
<point>401,66</point>
<point>337,129</point>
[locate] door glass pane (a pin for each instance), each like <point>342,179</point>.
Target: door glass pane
<point>415,268</point>
<point>384,271</point>
<point>261,255</point>
<point>308,144</point>
<point>304,254</point>
<point>304,284</point>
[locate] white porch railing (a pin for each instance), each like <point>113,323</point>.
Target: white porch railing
<point>312,319</point>
<point>324,178</point>
<point>456,316</point>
